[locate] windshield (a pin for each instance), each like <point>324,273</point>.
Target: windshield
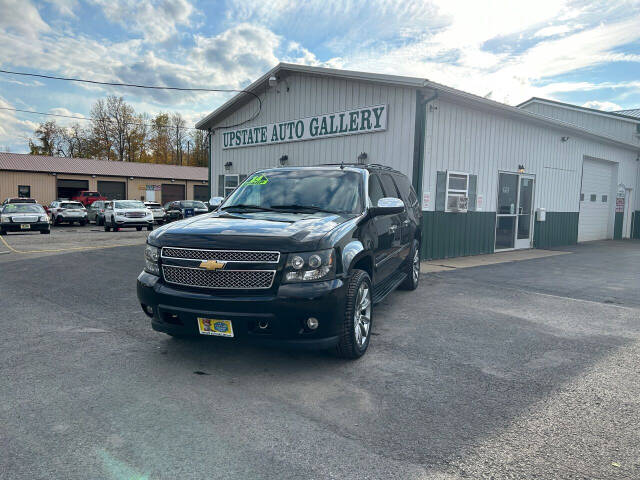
<point>91,194</point>
<point>193,204</point>
<point>22,208</point>
<point>71,205</point>
<point>129,204</point>
<point>153,205</point>
<point>331,190</point>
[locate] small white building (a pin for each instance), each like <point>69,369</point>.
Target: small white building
<point>491,177</point>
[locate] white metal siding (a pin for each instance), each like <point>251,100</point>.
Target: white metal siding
<point>464,138</point>
<point>596,216</point>
<point>624,130</point>
<point>311,95</point>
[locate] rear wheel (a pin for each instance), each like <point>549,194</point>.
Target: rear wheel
<point>413,269</point>
<point>357,321</point>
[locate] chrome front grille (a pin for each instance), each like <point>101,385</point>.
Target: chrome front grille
<point>243,256</point>
<point>24,219</point>
<point>218,279</point>
<point>135,215</point>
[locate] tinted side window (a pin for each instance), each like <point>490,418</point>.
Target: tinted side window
<point>375,190</point>
<point>406,189</point>
<point>389,186</point>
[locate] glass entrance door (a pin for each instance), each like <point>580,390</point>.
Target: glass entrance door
<point>515,211</point>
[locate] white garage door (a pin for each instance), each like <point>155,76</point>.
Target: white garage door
<point>595,201</point>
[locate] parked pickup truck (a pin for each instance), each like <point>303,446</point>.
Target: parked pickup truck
<point>294,256</point>
<point>87,197</point>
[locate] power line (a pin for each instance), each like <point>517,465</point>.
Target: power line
<point>91,119</point>
<point>151,87</point>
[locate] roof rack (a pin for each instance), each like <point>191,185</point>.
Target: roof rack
<point>361,165</point>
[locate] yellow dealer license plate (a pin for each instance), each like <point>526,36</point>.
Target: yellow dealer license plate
<point>213,326</point>
<point>25,226</point>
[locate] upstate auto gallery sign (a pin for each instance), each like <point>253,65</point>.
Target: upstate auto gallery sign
<point>350,122</point>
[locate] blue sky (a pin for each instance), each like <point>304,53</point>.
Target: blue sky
<point>582,52</point>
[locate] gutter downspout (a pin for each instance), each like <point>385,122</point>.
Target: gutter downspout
<point>419,140</point>
<point>209,158</point>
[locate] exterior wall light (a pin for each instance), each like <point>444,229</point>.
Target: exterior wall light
<point>520,168</point>
<point>564,139</point>
<point>173,180</point>
<point>273,81</point>
<point>283,160</point>
<point>362,157</point>
<point>93,176</point>
<point>130,178</point>
<point>228,165</point>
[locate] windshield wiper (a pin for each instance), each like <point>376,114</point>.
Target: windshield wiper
<point>308,208</point>
<point>243,206</point>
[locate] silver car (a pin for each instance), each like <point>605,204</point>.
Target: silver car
<point>68,212</point>
<point>159,215</point>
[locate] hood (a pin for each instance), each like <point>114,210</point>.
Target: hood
<point>285,232</point>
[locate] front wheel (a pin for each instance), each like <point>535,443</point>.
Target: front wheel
<point>2,231</point>
<point>45,232</point>
<point>357,321</point>
<point>413,269</point>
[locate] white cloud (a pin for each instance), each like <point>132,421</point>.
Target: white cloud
<point>555,30</point>
<point>21,17</point>
<point>14,132</point>
<point>605,105</point>
<point>64,7</point>
<point>156,21</point>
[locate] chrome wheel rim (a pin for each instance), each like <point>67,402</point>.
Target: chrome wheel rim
<point>416,266</point>
<point>362,314</point>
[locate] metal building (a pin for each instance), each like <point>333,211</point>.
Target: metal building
<point>491,177</point>
<point>49,178</point>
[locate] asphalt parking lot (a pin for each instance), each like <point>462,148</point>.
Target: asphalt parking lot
<point>515,370</point>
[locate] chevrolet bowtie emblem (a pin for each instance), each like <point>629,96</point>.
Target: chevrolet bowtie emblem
<point>212,265</point>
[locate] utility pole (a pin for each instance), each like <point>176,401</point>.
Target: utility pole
<point>188,154</point>
<point>178,144</point>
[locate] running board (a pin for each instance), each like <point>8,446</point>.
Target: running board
<point>388,286</point>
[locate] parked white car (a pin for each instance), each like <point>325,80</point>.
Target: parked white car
<point>159,215</point>
<point>127,214</point>
<point>68,212</point>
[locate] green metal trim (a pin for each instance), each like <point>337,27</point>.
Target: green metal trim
<point>446,235</point>
<point>209,160</point>
<point>418,143</point>
<point>560,228</point>
<point>635,224</point>
<point>617,226</point>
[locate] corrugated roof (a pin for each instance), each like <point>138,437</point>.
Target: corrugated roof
<point>88,166</point>
<point>629,113</point>
<point>620,113</point>
<point>236,101</point>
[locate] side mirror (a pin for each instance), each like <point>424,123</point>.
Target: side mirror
<point>388,206</point>
<point>215,202</point>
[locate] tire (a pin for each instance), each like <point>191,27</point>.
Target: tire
<point>139,229</point>
<point>149,228</point>
<point>107,228</point>
<point>359,292</point>
<point>2,232</point>
<point>83,223</point>
<point>56,220</point>
<point>413,268</point>
<point>45,232</point>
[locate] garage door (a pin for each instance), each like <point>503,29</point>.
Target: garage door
<point>201,192</point>
<point>68,189</point>
<point>595,201</point>
<point>113,190</point>
<point>171,193</point>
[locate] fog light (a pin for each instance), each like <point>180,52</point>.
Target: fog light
<point>312,323</point>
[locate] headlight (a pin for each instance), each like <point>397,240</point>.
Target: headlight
<point>310,266</point>
<point>5,218</point>
<point>151,255</point>
<point>43,218</point>
<point>120,214</point>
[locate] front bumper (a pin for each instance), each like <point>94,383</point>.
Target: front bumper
<point>133,222</point>
<point>284,310</point>
<point>16,227</point>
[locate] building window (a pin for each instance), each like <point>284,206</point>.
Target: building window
<point>604,199</point>
<point>457,191</point>
<point>593,197</point>
<point>24,191</point>
<point>582,197</point>
<point>230,183</point>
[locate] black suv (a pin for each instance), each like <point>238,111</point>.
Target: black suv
<point>294,256</point>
